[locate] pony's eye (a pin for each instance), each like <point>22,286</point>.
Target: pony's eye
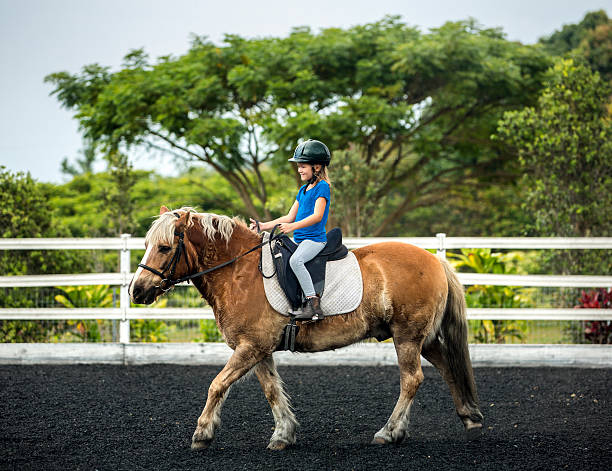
<point>164,248</point>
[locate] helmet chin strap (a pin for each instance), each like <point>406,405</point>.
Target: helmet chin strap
<point>314,178</point>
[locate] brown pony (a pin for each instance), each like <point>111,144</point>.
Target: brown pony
<point>409,295</point>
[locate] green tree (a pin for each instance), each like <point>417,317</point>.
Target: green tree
<point>484,211</point>
<point>117,198</point>
<point>590,39</point>
<point>82,165</point>
<point>81,203</point>
<point>565,151</point>
<point>596,48</point>
<point>421,105</point>
<point>570,36</point>
<point>26,212</point>
<point>357,208</point>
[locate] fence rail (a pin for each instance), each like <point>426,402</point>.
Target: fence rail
<point>440,243</point>
<point>174,313</point>
<point>490,279</point>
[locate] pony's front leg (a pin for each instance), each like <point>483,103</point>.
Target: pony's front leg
<point>241,361</point>
<point>411,376</point>
<point>284,420</point>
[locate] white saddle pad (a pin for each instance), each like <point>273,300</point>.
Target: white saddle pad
<point>343,285</point>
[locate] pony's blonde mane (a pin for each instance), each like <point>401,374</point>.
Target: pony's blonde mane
<point>162,229</point>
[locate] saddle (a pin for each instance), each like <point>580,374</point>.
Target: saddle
<point>282,249</point>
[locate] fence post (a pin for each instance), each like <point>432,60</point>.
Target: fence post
<point>441,252</point>
<point>124,297</point>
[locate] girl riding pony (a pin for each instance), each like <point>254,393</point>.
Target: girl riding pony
<point>307,218</point>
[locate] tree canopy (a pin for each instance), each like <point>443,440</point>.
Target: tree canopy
<point>565,150</point>
<point>420,105</point>
<point>26,212</point>
<point>591,40</point>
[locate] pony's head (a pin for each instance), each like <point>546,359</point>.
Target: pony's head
<point>166,256</point>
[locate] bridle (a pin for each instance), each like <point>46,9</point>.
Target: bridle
<point>167,283</point>
<point>170,266</point>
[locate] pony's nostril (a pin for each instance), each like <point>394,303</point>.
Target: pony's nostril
<point>137,292</point>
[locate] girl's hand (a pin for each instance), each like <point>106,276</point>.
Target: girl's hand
<point>253,225</point>
<point>286,227</point>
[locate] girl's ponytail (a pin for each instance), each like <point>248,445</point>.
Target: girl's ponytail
<point>323,175</point>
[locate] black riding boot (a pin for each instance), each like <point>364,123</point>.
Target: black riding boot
<point>312,310</point>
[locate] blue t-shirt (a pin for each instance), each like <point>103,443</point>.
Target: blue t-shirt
<point>306,200</point>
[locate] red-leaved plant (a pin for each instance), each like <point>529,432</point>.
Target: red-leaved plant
<point>597,331</point>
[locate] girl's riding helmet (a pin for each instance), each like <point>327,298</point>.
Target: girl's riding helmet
<point>311,152</point>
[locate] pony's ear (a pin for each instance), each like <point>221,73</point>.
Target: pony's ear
<point>183,221</point>
<point>163,210</point>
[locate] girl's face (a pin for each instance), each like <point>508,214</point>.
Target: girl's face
<point>305,171</point>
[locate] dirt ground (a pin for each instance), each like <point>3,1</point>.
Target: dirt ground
<point>142,417</point>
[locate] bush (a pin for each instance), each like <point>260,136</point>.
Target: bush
<point>598,332</point>
<point>81,297</point>
<point>480,296</point>
<point>26,212</point>
<point>209,331</point>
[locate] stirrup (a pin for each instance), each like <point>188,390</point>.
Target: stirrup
<point>302,316</point>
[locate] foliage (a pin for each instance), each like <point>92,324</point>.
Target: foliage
<point>80,203</point>
<point>571,35</point>
<point>104,202</point>
<point>564,147</point>
<point>22,331</point>
<point>565,151</point>
<point>81,297</point>
<point>209,331</point>
<point>85,296</point>
<point>421,105</point>
<point>82,165</point>
<point>117,198</point>
<point>599,332</point>
<point>483,261</point>
<point>26,212</point>
<point>141,330</point>
<point>481,212</point>
<point>596,48</point>
<point>590,39</point>
<point>190,297</point>
<point>356,184</point>
<point>148,330</point>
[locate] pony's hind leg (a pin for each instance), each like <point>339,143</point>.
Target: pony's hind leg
<point>241,361</point>
<point>461,383</point>
<point>411,377</point>
<point>284,420</point>
<point>447,349</point>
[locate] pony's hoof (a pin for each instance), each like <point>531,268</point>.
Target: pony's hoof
<point>379,441</point>
<point>473,433</point>
<point>200,444</point>
<point>199,441</point>
<point>277,445</point>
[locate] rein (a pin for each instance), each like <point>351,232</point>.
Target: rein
<point>167,283</point>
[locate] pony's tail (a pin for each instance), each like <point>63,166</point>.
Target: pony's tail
<point>454,333</point>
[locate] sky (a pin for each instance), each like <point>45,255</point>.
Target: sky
<point>39,37</point>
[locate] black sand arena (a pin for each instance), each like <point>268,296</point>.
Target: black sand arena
<point>142,417</point>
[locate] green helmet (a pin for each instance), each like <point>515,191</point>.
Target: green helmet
<point>311,152</point>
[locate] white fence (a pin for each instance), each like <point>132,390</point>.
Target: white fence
<point>440,243</point>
